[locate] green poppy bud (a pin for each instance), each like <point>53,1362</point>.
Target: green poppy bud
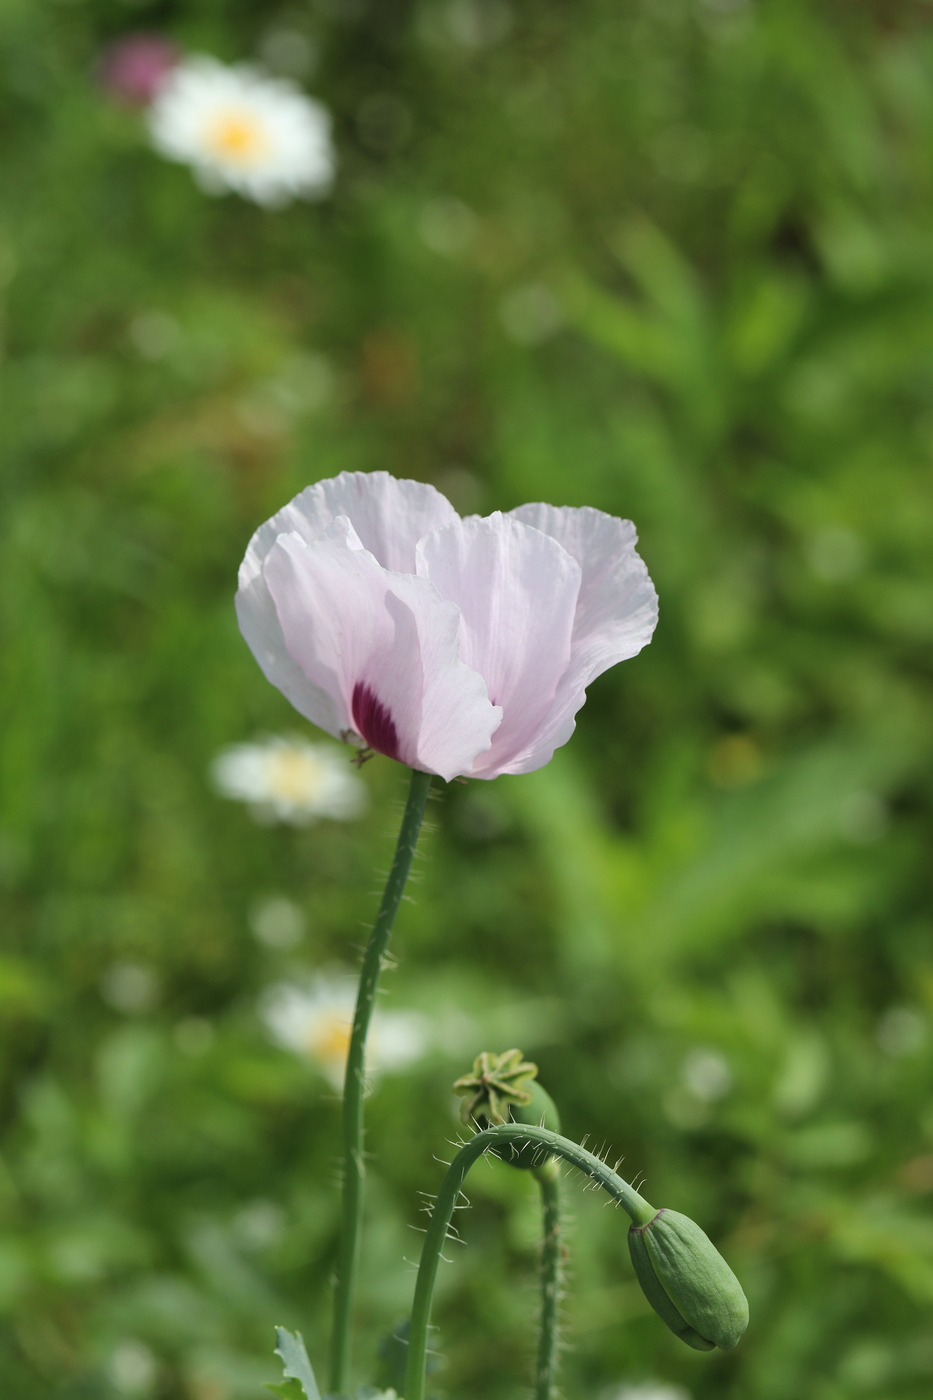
<point>539,1112</point>
<point>687,1281</point>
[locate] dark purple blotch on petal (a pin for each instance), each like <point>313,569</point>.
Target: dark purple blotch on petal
<point>373,721</point>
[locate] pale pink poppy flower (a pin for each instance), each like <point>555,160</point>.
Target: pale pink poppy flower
<point>459,647</point>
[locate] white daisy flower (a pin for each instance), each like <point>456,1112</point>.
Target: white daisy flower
<point>290,780</point>
<point>314,1020</point>
<point>647,1390</point>
<point>242,130</point>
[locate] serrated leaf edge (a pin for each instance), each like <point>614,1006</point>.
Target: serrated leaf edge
<point>283,1337</point>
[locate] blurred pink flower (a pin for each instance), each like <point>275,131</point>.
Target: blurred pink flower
<point>135,67</point>
<point>455,646</point>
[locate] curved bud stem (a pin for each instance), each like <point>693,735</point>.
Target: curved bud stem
<point>517,1134</point>
<point>354,1083</point>
<point>548,1177</point>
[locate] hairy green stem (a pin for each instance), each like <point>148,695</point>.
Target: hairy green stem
<point>354,1084</point>
<point>548,1177</point>
<point>516,1133</point>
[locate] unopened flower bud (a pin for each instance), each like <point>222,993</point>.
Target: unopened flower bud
<point>687,1281</point>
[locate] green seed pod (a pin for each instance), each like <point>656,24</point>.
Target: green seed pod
<point>687,1281</point>
<point>496,1081</point>
<point>539,1112</point>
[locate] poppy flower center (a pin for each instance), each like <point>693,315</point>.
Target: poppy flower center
<point>373,721</point>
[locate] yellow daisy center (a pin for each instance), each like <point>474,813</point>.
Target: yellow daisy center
<point>292,775</point>
<point>238,136</point>
<point>329,1043</point>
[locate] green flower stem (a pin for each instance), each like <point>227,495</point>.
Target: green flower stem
<point>548,1177</point>
<point>354,1083</point>
<point>516,1133</point>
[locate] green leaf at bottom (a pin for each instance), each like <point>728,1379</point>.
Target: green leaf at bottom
<point>290,1348</point>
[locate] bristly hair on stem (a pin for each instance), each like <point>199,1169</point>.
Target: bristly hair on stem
<point>551,1145</point>
<point>552,1252</point>
<point>354,1083</point>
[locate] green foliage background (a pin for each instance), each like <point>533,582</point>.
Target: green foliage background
<point>670,258</point>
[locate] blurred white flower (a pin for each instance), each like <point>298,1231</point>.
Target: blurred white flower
<point>260,1223</point>
<point>132,1368</point>
<point>242,130</point>
<point>290,780</point>
<point>647,1390</point>
<point>707,1074</point>
<point>314,1019</point>
<point>277,922</point>
<point>131,988</point>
